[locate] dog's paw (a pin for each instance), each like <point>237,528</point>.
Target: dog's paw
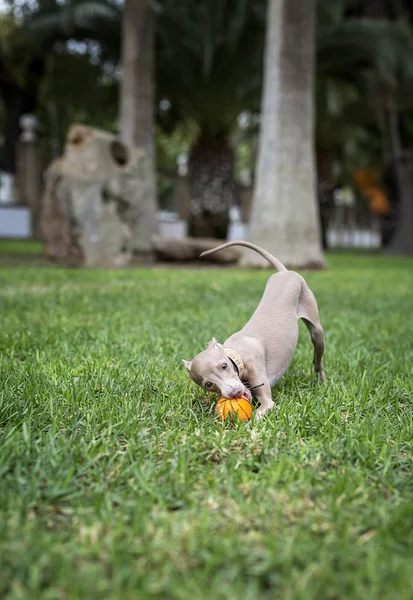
<point>261,411</point>
<point>259,414</point>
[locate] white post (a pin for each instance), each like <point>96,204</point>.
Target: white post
<point>29,171</point>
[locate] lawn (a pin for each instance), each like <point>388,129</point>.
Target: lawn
<point>117,483</point>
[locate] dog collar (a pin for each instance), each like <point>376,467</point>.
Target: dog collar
<point>236,359</point>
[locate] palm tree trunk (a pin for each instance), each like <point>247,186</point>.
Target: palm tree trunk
<point>376,9</point>
<point>16,101</point>
<point>387,120</point>
<point>137,105</point>
<point>211,168</point>
<point>285,213</point>
<point>13,112</point>
<point>401,242</point>
<point>325,190</point>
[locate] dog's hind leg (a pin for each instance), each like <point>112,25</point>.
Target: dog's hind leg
<point>308,312</point>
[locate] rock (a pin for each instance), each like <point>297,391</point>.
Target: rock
<point>54,226</point>
<point>189,249</point>
<point>94,210</point>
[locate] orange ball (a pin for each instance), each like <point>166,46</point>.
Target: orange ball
<point>231,407</point>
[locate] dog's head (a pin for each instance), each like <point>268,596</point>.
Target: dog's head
<point>215,372</point>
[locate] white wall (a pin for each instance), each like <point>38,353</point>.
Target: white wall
<point>15,222</point>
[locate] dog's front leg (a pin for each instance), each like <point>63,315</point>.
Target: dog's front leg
<point>263,395</point>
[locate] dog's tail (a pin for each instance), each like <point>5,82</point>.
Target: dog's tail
<point>278,266</point>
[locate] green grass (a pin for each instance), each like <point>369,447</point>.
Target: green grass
<point>20,247</point>
<point>116,483</point>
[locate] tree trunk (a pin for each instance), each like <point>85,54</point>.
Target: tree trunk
<point>391,185</point>
<point>137,105</point>
<point>384,9</point>
<point>211,168</point>
<point>377,9</point>
<point>325,189</point>
<point>402,240</point>
<point>16,102</point>
<point>285,213</point>
<point>401,243</point>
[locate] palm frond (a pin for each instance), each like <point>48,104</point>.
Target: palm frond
<point>366,44</point>
<point>55,21</point>
<point>90,14</point>
<point>209,60</point>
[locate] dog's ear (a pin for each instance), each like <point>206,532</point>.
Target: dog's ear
<point>214,344</point>
<point>187,365</point>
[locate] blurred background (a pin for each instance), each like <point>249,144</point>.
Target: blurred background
<point>170,94</point>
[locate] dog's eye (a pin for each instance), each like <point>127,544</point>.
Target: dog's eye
<point>224,366</point>
<point>208,385</point>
